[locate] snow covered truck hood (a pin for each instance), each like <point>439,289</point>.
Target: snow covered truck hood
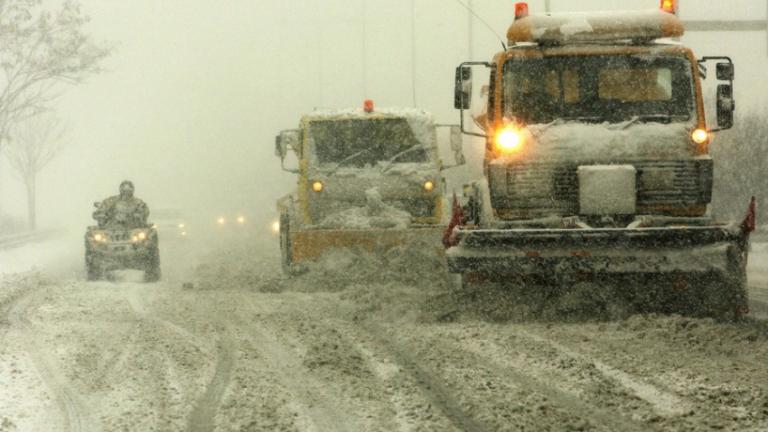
<point>606,142</point>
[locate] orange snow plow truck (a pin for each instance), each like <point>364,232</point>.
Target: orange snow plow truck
<point>597,168</point>
<point>368,179</point>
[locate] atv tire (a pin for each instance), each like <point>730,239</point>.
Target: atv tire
<point>93,269</point>
<point>153,272</point>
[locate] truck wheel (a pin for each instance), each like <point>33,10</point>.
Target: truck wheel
<point>93,270</point>
<point>152,272</point>
<point>286,254</point>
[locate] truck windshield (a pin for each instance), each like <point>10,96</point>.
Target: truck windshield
<point>598,88</point>
<point>362,142</point>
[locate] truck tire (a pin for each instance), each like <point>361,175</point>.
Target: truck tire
<point>152,273</point>
<point>286,253</point>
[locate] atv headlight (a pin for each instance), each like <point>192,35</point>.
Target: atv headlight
<point>139,236</point>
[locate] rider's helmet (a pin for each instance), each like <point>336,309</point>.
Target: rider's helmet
<point>126,189</point>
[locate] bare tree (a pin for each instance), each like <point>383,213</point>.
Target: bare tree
<point>33,144</point>
<point>43,46</point>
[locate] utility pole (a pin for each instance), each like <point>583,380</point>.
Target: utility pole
<point>364,53</point>
<point>413,51</point>
<point>470,32</point>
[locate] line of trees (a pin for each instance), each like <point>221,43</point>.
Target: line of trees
<point>43,49</point>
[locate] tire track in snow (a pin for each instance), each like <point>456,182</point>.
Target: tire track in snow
<point>312,399</point>
<point>66,398</point>
<point>664,403</point>
<point>432,387</point>
<point>492,357</point>
<point>203,416</point>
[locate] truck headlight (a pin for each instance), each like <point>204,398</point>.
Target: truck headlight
<point>700,136</point>
<point>508,140</point>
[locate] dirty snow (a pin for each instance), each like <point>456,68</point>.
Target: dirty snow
<point>357,343</point>
<point>375,214</point>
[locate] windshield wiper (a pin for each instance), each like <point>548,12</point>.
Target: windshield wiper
<point>392,160</point>
<point>348,158</point>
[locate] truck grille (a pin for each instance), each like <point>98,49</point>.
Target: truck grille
<point>548,188</point>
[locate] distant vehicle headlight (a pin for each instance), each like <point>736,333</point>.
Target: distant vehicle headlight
<point>317,186</point>
<point>429,186</point>
<point>221,220</point>
<point>142,235</point>
<point>100,237</point>
<point>241,219</point>
<point>276,227</point>
<point>181,226</point>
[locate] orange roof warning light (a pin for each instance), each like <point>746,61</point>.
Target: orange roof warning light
<point>669,6</point>
<point>521,10</point>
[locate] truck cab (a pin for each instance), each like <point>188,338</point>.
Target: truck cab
<point>597,157</point>
<point>363,175</point>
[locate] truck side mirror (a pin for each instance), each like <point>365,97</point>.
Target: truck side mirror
<point>462,98</point>
<point>725,71</point>
<point>457,145</point>
<point>288,140</point>
<point>725,105</point>
<point>280,149</point>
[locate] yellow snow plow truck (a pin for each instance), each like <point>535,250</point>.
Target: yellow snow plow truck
<point>368,179</point>
<point>597,170</point>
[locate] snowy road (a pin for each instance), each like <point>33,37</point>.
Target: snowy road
<point>226,343</point>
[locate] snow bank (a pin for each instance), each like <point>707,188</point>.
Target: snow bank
<point>62,253</point>
<point>375,214</point>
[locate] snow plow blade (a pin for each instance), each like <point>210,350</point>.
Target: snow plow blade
<point>310,245</point>
<point>604,251</point>
<point>697,271</point>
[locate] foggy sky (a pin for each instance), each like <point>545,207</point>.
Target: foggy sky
<point>196,90</point>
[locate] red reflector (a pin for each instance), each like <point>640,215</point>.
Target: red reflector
<point>368,106</point>
<point>669,6</point>
<point>580,253</point>
<point>521,10</point>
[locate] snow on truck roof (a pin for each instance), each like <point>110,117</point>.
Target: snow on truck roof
<point>378,113</point>
<point>556,29</point>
